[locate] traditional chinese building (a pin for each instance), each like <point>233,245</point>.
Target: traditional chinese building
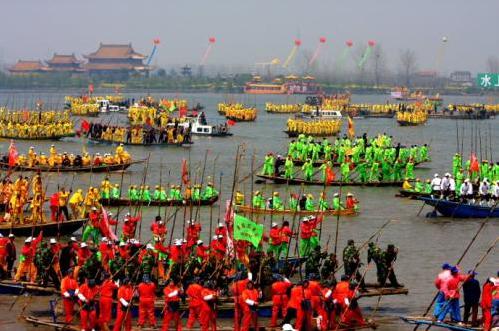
<point>23,67</point>
<point>115,59</point>
<point>64,63</point>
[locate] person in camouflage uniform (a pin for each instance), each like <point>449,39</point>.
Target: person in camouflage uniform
<point>351,263</point>
<point>44,259</point>
<point>313,263</point>
<point>389,258</point>
<point>148,262</point>
<point>329,267</point>
<point>375,254</point>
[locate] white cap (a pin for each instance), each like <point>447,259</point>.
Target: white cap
<point>28,240</point>
<point>109,213</point>
<point>122,244</point>
<point>53,241</point>
<point>447,174</point>
<point>184,241</point>
<point>1,235</point>
<point>199,242</point>
<point>104,239</point>
<point>73,239</point>
<point>305,219</point>
<point>11,235</point>
<point>220,225</point>
<point>178,242</point>
<point>220,236</point>
<point>149,246</point>
<point>83,244</point>
<point>215,237</point>
<point>436,175</point>
<point>274,224</point>
<point>336,194</point>
<point>94,208</point>
<point>288,327</point>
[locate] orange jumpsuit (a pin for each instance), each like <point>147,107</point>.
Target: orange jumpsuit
<point>237,291</point>
<point>195,303</point>
<point>350,314</point>
<point>172,313</point>
<point>317,300</point>
<point>88,316</point>
<point>124,315</point>
<point>26,264</point>
<point>68,289</point>
<point>106,300</point>
<point>250,314</point>
<point>146,303</point>
<point>279,299</point>
<point>298,294</point>
<point>207,315</point>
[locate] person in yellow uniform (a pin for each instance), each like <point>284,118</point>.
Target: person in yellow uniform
<point>105,188</point>
<point>75,203</point>
<point>63,204</point>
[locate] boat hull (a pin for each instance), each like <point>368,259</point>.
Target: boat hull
<point>298,181</point>
<point>102,141</point>
<point>100,168</point>
<point>127,202</point>
<point>459,210</point>
<point>250,210</point>
<point>49,229</point>
<point>429,322</point>
<point>41,138</point>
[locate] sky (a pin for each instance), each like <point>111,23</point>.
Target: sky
<point>254,31</point>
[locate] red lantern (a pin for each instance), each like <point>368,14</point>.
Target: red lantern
<point>322,40</point>
<point>349,43</point>
<point>371,43</point>
<point>212,40</point>
<point>156,41</point>
<point>297,42</point>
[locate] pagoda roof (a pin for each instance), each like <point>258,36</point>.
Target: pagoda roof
<point>28,66</point>
<point>115,51</point>
<point>63,59</point>
<point>113,66</point>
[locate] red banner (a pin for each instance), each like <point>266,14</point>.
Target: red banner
<point>13,154</point>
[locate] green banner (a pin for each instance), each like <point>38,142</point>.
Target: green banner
<point>246,229</point>
<point>487,80</point>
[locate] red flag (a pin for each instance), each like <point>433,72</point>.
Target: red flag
<point>90,88</point>
<point>185,172</point>
<point>105,228</point>
<point>329,175</point>
<point>474,166</point>
<point>231,122</point>
<point>85,126</point>
<point>13,154</point>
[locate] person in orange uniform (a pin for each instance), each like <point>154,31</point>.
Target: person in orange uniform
<point>195,302</point>
<point>193,232</point>
<point>207,314</point>
<point>237,290</point>
<point>299,306</point>
<point>106,301</point>
<point>26,265</point>
<point>317,298</point>
<point>329,323</point>
<point>250,297</point>
<point>68,290</point>
<point>172,293</point>
<point>279,299</point>
<point>351,314</point>
<point>486,303</point>
<point>147,295</point>
<point>87,294</point>
<point>124,315</point>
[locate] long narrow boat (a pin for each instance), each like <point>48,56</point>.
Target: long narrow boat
<point>460,210</point>
<point>103,141</point>
<point>429,322</point>
<point>56,137</point>
<point>408,123</point>
<point>412,194</point>
<point>294,134</point>
<point>90,168</point>
<point>299,181</point>
<point>49,228</point>
<point>18,288</point>
<point>250,210</point>
<point>128,202</point>
<point>318,163</point>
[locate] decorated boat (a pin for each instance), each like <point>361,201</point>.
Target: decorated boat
<point>430,322</point>
<point>250,210</point>
<point>89,168</point>
<point>162,144</point>
<point>49,228</point>
<point>412,194</point>
<point>53,137</point>
<point>460,210</point>
<point>299,181</point>
<point>128,202</point>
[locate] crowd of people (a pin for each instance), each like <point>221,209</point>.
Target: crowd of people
<point>100,269</point>
<point>283,108</point>
<point>313,128</point>
<point>33,125</point>
<point>413,117</point>
<point>139,135</point>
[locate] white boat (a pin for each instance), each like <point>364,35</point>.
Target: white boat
<point>326,114</point>
<point>198,126</point>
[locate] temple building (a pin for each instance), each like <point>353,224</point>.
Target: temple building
<point>115,59</point>
<point>23,67</point>
<point>65,63</point>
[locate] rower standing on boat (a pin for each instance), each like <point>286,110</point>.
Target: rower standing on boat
<point>351,263</point>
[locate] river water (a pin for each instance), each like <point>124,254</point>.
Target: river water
<point>424,244</point>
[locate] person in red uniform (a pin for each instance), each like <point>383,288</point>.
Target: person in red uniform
<point>87,295</point>
<point>129,226</point>
<point>250,297</point>
<point>275,241</point>
<point>124,315</point>
<point>172,293</point>
<point>237,290</point>
<point>486,304</point>
<point>193,233</point>
<point>158,228</point>
<point>329,323</point>
<point>286,235</point>
<point>299,306</point>
<point>106,301</point>
<point>207,315</point>
<point>201,251</point>
<point>106,249</point>
<point>279,299</point>
<point>221,230</point>
<point>218,247</point>
<point>317,298</point>
<point>54,206</point>
<point>176,252</point>
<point>68,290</point>
<point>351,201</point>
<point>147,295</point>
<point>195,302</point>
<point>82,256</point>
<point>351,314</point>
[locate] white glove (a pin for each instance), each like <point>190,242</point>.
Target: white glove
<point>328,293</point>
<point>335,301</point>
<point>347,302</point>
<point>173,294</point>
<point>82,297</point>
<point>250,302</point>
<point>250,276</point>
<point>286,280</point>
<point>208,297</point>
<point>66,294</point>
<point>124,302</point>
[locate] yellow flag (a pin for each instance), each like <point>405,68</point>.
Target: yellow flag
<point>351,128</point>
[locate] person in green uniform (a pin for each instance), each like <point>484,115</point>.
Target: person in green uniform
<point>386,170</point>
<point>409,169</point>
<point>289,168</point>
<point>345,172</point>
<point>133,193</point>
<point>156,193</point>
<point>308,169</point>
<point>258,202</point>
<point>277,202</point>
<point>374,172</point>
<point>418,186</point>
<point>427,187</point>
<point>484,170</point>
<point>397,170</point>
<point>323,204</point>
<point>337,202</point>
<point>115,192</point>
<point>146,195</point>
<point>309,203</point>
<point>456,164</point>
<point>293,202</point>
<point>209,192</point>
<point>268,165</point>
<point>361,169</point>
<point>196,192</point>
<point>423,153</point>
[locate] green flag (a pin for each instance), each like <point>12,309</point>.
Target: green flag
<point>246,229</point>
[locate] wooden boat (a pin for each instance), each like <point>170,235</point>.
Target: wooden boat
<point>460,210</point>
<point>49,228</point>
<point>250,210</point>
<point>383,291</point>
<point>412,194</point>
<point>127,202</point>
<point>92,168</point>
<point>240,119</point>
<point>318,163</point>
<point>18,288</point>
<point>408,123</point>
<point>377,115</point>
<point>429,322</point>
<point>57,137</point>
<point>166,144</point>
<point>461,116</point>
<point>295,134</point>
<point>299,181</point>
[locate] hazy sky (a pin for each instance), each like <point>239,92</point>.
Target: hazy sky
<point>253,30</point>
